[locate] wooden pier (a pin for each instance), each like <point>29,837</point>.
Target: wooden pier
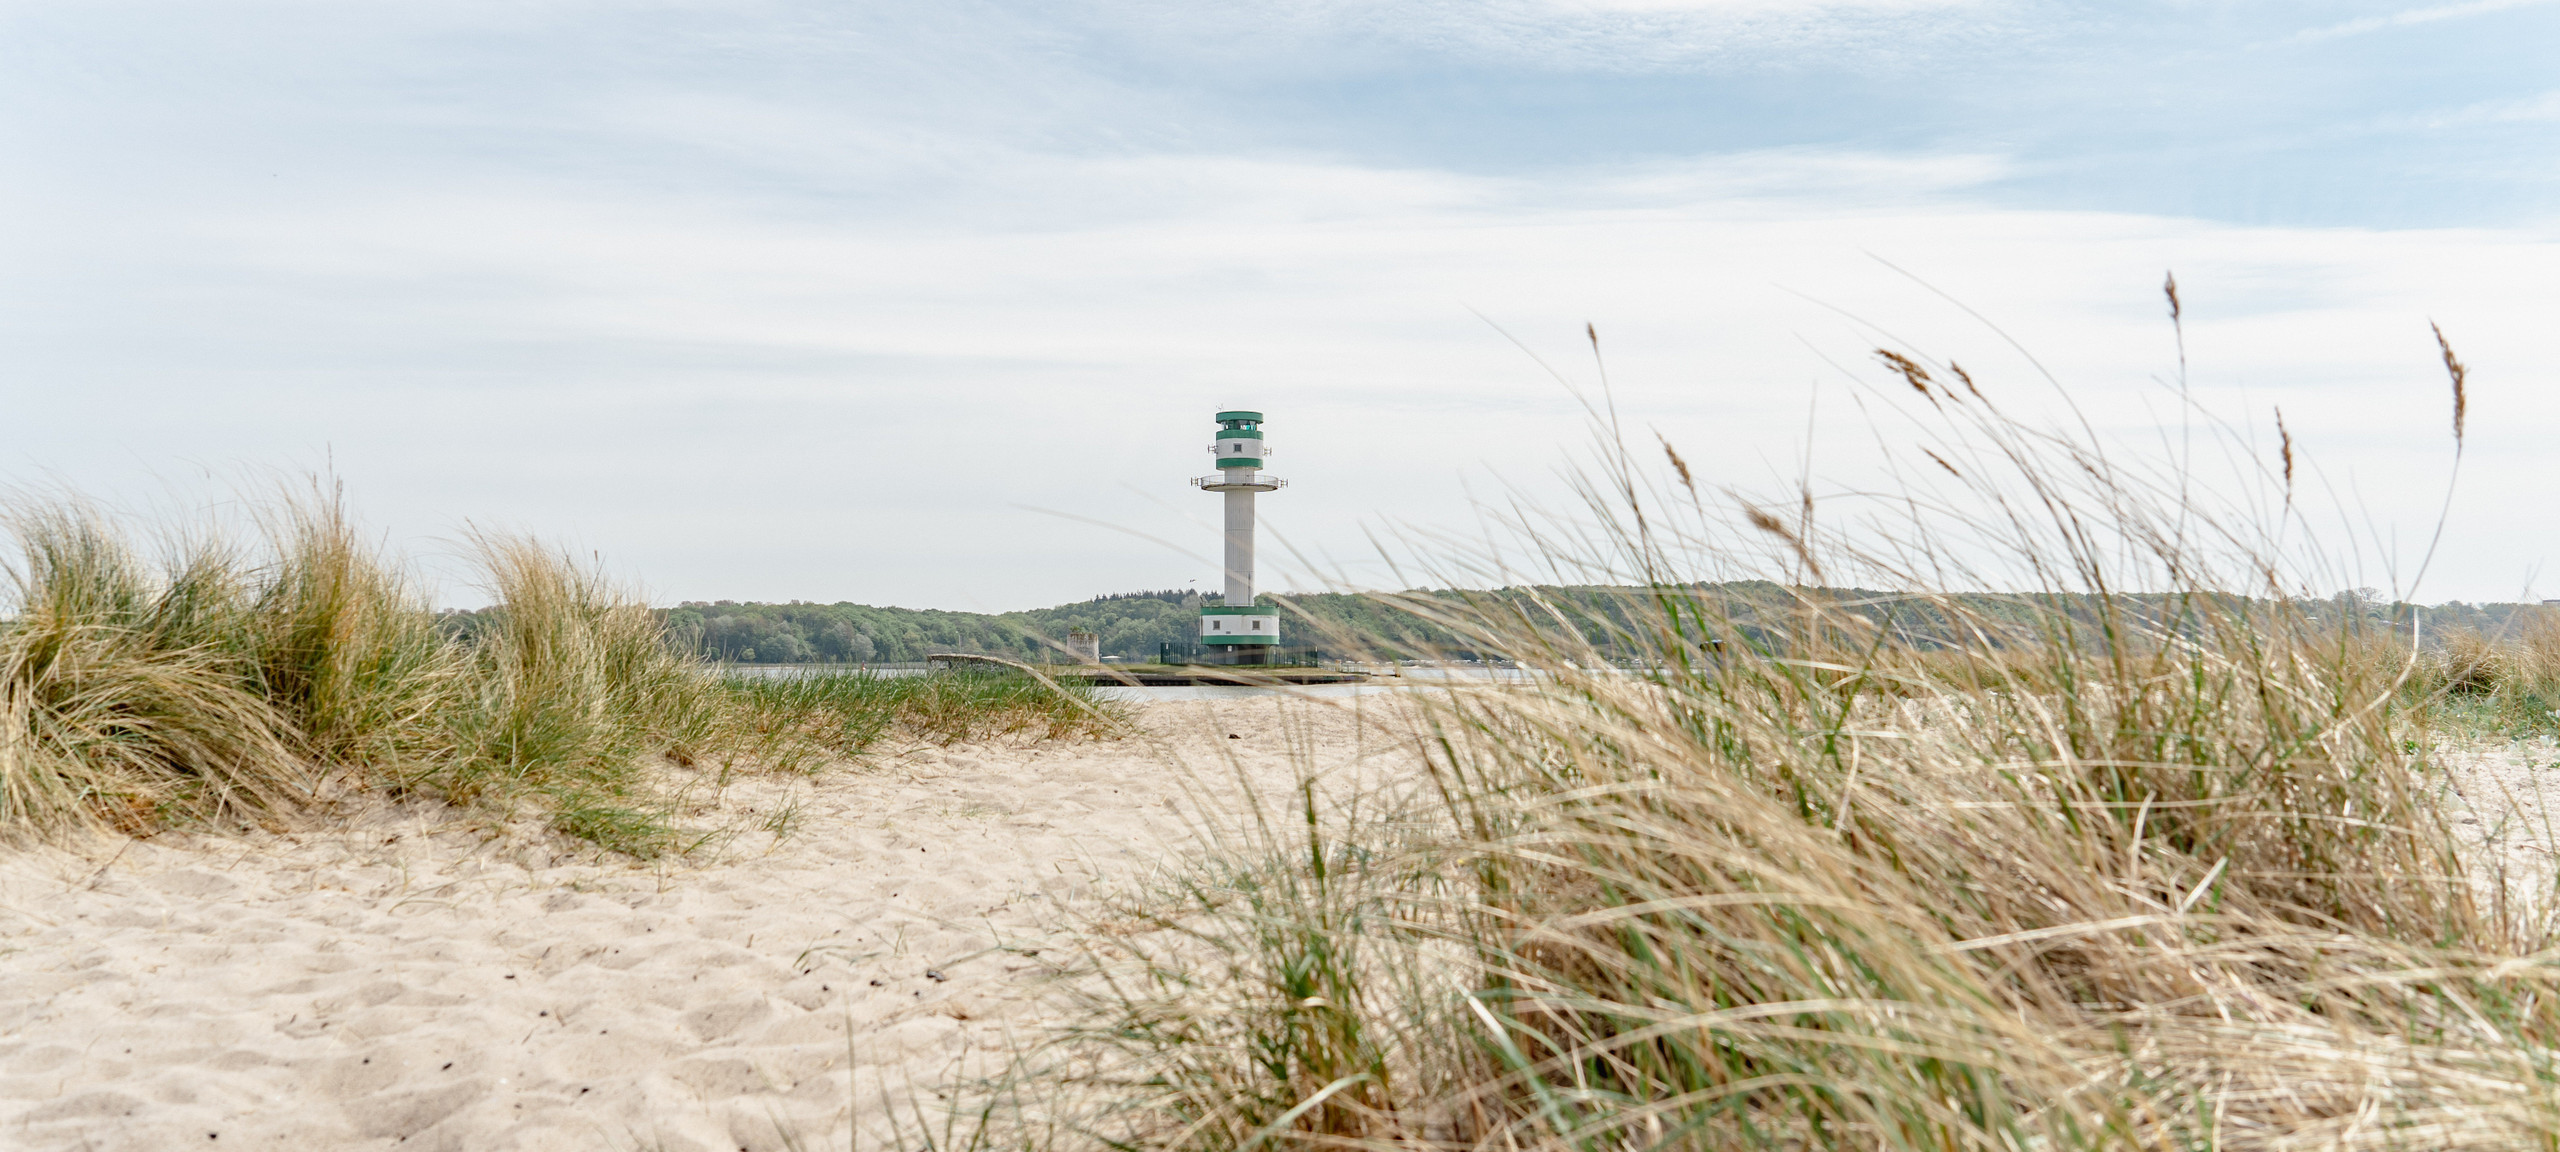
<point>1154,675</point>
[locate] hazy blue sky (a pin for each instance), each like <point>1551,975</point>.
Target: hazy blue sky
<point>830,301</point>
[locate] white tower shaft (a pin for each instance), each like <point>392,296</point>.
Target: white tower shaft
<point>1239,539</point>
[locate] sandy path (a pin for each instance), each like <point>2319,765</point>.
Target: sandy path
<point>403,980</point>
<point>2507,813</point>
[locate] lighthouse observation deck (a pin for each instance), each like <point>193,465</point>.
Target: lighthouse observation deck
<point>1226,483</point>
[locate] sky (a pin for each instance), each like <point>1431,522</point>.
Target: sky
<point>931,303</point>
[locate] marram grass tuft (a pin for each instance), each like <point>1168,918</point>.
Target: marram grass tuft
<point>206,682</point>
<point>127,694</point>
<point>573,686</point>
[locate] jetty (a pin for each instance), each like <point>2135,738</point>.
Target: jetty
<point>1152,675</point>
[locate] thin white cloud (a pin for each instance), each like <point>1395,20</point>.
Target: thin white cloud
<point>2543,107</point>
<point>2415,16</point>
<point>1798,7</point>
<point>1588,35</point>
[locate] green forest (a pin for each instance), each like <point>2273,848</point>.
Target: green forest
<point>1133,625</point>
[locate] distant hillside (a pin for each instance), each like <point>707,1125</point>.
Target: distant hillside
<point>1130,624</point>
<point>1133,624</point>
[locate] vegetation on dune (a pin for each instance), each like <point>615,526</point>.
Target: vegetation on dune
<point>208,681</point>
<point>2085,872</point>
<point>2504,683</point>
<point>800,717</point>
<point>129,691</point>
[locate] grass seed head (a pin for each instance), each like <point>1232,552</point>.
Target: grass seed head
<point>2458,374</point>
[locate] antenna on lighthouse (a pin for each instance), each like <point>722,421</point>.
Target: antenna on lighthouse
<point>1239,631</point>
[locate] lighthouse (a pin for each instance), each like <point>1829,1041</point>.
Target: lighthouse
<point>1238,631</point>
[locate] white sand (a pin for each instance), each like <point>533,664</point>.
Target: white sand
<point>403,979</point>
<point>2507,813</point>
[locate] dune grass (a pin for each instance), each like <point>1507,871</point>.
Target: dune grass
<point>2170,873</point>
<point>129,690</point>
<point>572,690</point>
<point>2502,686</point>
<point>344,645</point>
<point>204,680</point>
<point>799,718</point>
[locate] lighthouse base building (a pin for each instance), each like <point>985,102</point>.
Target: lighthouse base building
<point>1239,635</point>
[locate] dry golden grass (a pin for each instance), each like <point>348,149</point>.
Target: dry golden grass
<point>225,684</point>
<point>345,647</point>
<point>2074,870</point>
<point>122,699</point>
<point>2505,684</point>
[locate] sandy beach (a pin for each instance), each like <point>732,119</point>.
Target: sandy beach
<point>409,977</point>
<point>412,976</point>
<point>2506,814</point>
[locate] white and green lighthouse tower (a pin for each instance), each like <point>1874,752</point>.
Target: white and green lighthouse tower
<point>1237,631</point>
